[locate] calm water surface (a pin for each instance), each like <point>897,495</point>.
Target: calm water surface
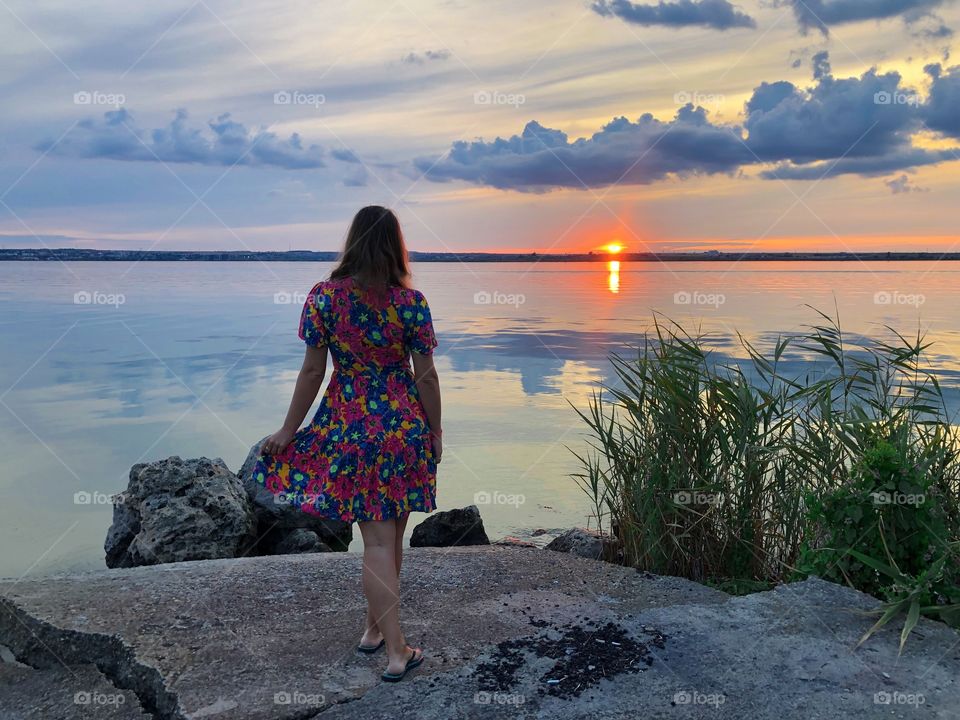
<point>201,359</point>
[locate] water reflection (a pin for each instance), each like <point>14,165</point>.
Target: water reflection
<point>613,281</point>
<point>201,360</point>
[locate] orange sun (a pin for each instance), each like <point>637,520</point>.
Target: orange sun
<point>613,248</point>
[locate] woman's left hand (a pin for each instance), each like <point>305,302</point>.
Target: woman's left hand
<point>277,442</point>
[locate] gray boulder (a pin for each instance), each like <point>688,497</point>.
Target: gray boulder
<point>462,526</point>
<point>277,519</point>
<point>300,540</point>
<point>585,543</point>
<point>175,509</point>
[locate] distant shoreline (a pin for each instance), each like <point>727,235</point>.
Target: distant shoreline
<point>84,254</point>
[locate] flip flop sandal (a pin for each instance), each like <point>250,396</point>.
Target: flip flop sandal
<point>411,664</point>
<point>370,649</point>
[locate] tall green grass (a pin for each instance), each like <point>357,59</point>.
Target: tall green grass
<point>708,470</point>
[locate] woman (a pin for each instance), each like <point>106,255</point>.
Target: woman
<point>371,453</point>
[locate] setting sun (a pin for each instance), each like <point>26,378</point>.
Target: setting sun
<point>613,248</point>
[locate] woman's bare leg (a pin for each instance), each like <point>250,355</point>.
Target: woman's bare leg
<point>401,528</point>
<point>372,635</point>
<point>381,585</point>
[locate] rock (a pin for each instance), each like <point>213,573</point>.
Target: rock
<point>64,692</point>
<point>584,543</point>
<point>224,639</point>
<point>300,540</point>
<point>513,541</point>
<point>175,510</point>
<point>463,526</point>
<point>123,529</point>
<point>276,519</point>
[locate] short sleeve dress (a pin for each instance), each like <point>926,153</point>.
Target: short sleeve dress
<point>367,454</point>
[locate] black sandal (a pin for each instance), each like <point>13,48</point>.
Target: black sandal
<point>411,664</point>
<point>370,649</point>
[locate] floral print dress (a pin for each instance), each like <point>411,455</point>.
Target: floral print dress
<point>367,454</point>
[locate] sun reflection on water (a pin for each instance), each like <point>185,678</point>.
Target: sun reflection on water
<point>613,281</point>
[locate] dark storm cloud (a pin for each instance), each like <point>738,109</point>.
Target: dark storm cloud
<point>860,126</point>
<point>227,142</point>
<point>868,116</point>
<point>823,14</point>
<point>942,109</point>
<point>717,14</point>
<point>634,153</point>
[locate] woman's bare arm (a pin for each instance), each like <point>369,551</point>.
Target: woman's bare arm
<point>308,385</point>
<point>428,384</point>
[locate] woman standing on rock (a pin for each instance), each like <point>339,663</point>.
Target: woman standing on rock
<point>371,453</point>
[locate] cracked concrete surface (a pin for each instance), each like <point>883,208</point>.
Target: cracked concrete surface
<point>274,637</point>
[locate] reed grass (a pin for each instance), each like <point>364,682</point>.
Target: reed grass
<point>706,469</point>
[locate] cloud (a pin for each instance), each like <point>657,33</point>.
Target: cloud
<point>823,14</point>
<point>344,155</point>
<point>413,58</point>
<point>876,166</point>
<point>633,153</point>
<point>869,116</point>
<point>941,112</point>
<point>862,126</point>
<point>117,137</point>
<point>717,14</point>
<point>901,185</point>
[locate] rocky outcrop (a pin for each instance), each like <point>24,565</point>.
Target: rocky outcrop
<point>300,540</point>
<point>507,633</point>
<point>277,519</point>
<point>175,509</point>
<point>585,543</point>
<point>463,526</point>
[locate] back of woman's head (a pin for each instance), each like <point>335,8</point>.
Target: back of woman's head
<point>374,253</point>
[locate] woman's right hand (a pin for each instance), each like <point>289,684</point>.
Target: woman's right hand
<point>436,439</point>
<point>277,442</point>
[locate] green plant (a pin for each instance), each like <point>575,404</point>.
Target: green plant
<point>889,509</point>
<point>742,473</point>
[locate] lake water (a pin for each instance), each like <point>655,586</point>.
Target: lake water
<point>103,365</point>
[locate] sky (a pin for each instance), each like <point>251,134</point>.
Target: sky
<point>555,126</point>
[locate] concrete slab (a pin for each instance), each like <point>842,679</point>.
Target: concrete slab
<point>508,632</point>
